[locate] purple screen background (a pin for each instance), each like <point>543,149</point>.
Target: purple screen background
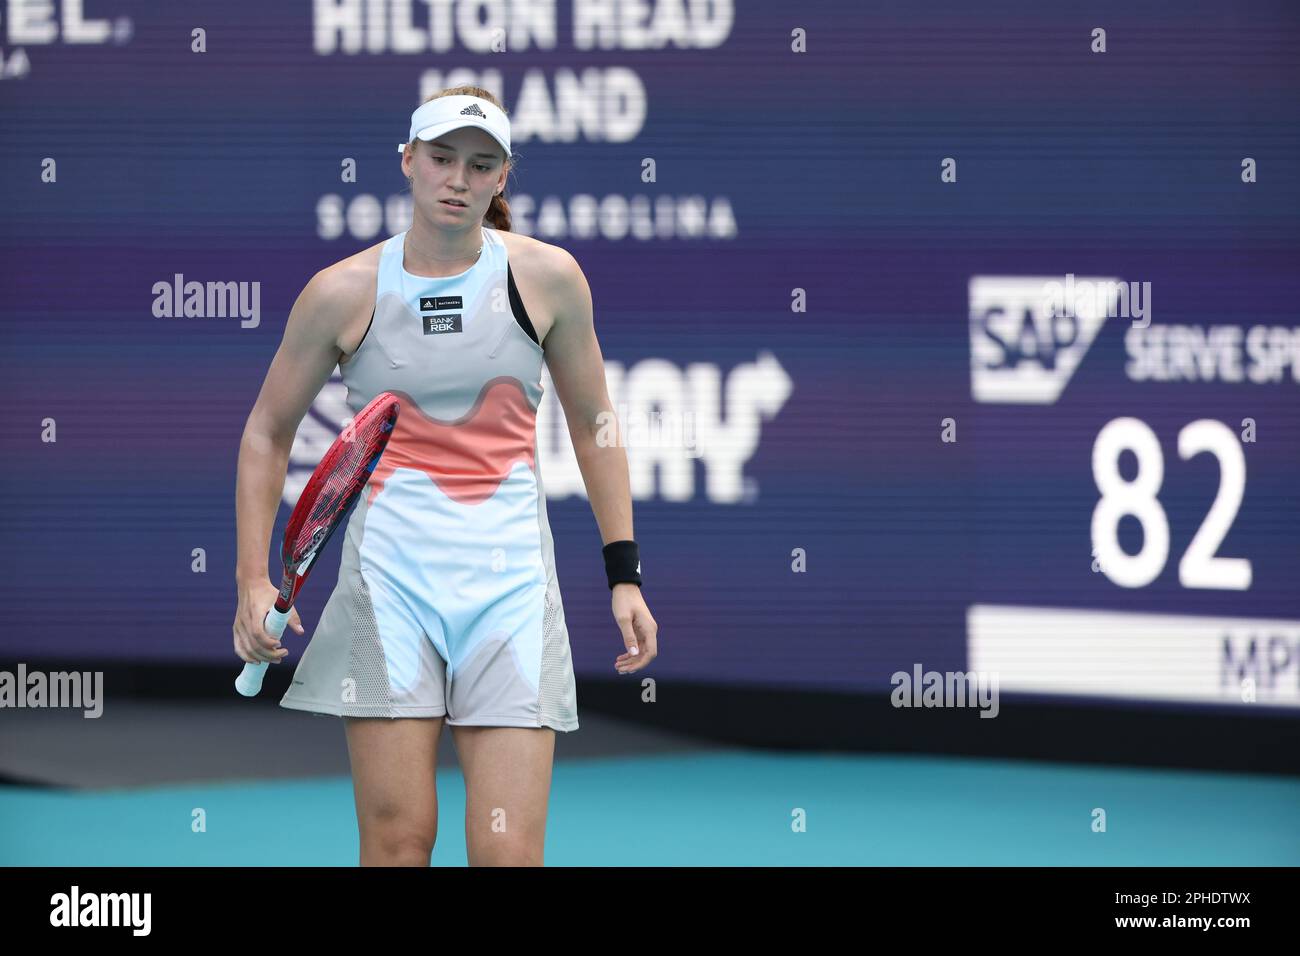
<point>212,165</point>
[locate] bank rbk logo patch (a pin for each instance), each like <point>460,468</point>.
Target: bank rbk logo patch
<point>434,324</point>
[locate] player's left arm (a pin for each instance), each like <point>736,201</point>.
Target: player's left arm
<point>578,372</point>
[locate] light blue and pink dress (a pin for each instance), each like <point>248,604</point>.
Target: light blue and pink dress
<point>447,601</point>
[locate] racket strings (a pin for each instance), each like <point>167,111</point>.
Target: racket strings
<point>337,481</point>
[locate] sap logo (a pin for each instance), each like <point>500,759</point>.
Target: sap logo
<point>1029,334</point>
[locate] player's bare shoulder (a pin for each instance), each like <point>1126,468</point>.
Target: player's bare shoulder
<point>342,295</point>
<point>547,276</point>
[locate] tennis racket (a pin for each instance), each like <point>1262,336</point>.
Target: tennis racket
<point>329,494</point>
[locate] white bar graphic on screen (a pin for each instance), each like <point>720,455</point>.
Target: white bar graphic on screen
<point>1169,657</point>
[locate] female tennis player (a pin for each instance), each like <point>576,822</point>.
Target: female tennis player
<point>447,607</point>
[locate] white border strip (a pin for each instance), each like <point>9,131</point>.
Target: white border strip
<point>1124,654</point>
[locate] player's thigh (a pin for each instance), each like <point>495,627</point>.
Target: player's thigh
<point>507,779</point>
<point>394,769</point>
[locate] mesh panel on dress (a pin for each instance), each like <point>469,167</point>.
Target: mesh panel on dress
<point>366,661</point>
<point>555,688</point>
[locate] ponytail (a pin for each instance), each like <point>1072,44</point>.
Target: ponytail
<point>498,214</point>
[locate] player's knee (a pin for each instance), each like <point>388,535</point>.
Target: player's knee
<point>396,845</point>
<point>392,835</point>
<point>505,850</point>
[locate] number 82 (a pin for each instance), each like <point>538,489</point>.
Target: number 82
<point>1199,567</point>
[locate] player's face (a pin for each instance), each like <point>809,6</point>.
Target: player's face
<point>465,166</point>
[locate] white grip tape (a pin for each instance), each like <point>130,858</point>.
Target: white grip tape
<point>249,681</point>
<point>275,622</point>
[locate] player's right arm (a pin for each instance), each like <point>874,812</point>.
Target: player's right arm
<point>308,354</point>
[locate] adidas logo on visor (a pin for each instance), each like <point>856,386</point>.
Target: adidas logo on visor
<point>473,110</point>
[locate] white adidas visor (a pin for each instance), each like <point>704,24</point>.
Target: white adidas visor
<point>439,117</point>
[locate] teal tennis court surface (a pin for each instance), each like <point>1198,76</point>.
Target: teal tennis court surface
<point>663,801</point>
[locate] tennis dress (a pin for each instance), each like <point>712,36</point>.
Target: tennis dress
<point>447,601</point>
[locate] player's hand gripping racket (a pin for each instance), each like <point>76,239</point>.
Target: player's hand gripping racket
<point>330,493</point>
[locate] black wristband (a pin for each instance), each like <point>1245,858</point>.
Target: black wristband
<point>622,563</point>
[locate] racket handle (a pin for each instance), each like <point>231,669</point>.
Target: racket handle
<point>249,681</point>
